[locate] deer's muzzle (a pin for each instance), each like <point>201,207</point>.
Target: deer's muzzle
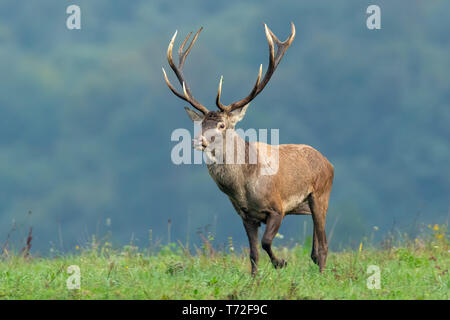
<point>199,143</point>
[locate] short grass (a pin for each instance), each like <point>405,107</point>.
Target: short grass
<point>415,271</point>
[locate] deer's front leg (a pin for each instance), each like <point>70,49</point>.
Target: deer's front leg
<point>272,225</point>
<point>252,233</point>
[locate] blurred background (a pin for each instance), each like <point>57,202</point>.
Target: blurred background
<point>86,118</point>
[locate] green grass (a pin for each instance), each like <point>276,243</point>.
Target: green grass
<point>415,271</point>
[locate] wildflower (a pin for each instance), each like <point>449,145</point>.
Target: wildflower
<point>230,244</point>
<point>360,247</point>
<point>375,228</point>
<point>440,236</point>
<point>77,247</point>
<point>436,227</point>
<point>279,235</point>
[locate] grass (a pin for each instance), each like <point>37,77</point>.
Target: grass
<point>417,270</point>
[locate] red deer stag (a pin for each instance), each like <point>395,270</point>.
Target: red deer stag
<point>301,183</point>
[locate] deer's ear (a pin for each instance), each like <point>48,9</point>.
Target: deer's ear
<point>238,114</point>
<point>194,115</point>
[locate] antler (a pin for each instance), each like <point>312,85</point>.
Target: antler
<point>187,95</point>
<point>274,60</point>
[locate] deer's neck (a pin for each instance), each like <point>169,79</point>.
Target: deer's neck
<point>238,165</point>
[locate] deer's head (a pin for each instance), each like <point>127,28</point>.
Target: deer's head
<point>216,123</point>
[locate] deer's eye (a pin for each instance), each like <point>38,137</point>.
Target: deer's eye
<point>221,125</point>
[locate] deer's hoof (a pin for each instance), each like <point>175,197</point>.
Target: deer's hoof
<point>315,258</point>
<point>279,263</point>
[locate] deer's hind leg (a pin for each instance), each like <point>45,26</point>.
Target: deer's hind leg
<point>319,207</point>
<point>315,248</point>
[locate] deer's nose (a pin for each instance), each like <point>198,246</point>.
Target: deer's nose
<point>200,141</point>
<point>203,141</point>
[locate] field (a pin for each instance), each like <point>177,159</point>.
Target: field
<point>417,270</point>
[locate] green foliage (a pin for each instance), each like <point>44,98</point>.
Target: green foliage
<point>409,258</point>
<point>409,272</point>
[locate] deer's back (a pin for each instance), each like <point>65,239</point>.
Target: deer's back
<point>302,166</point>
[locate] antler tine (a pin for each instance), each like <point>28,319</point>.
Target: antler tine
<point>283,44</point>
<point>182,54</point>
<point>180,49</point>
<point>179,95</point>
<point>187,95</point>
<point>169,50</point>
<point>219,92</point>
<point>245,100</point>
<point>274,60</point>
<point>288,40</point>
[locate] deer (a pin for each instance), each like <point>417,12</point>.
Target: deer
<point>301,182</point>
